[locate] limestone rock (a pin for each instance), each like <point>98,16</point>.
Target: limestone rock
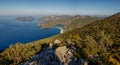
<point>33,63</point>
<point>50,45</point>
<point>57,41</point>
<point>64,54</point>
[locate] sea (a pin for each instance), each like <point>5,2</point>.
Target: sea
<point>13,31</point>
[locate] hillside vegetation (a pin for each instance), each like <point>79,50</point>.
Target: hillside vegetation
<point>100,38</point>
<point>97,42</point>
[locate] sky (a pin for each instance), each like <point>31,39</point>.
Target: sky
<point>59,7</point>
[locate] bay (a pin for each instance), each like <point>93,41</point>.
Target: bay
<point>13,31</point>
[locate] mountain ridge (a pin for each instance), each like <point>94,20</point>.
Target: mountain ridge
<point>70,22</point>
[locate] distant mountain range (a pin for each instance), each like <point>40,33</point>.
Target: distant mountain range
<point>67,22</point>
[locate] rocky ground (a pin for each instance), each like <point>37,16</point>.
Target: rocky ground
<point>53,55</point>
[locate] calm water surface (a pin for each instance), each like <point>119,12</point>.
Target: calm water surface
<point>12,31</point>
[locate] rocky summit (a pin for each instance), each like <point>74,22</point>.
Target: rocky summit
<point>54,56</point>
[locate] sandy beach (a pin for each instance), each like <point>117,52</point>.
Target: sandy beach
<point>61,30</point>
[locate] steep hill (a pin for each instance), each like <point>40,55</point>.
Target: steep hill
<point>98,42</point>
<point>100,38</point>
<point>110,25</point>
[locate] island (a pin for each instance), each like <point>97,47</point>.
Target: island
<point>25,18</point>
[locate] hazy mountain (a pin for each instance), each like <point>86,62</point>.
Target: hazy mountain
<point>69,23</point>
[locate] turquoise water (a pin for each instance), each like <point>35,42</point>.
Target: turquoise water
<point>12,31</point>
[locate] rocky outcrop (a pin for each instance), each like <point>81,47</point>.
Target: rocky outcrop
<point>57,41</point>
<point>54,56</point>
<point>46,57</point>
<point>64,54</point>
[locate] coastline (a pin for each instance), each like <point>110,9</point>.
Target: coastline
<point>61,30</point>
